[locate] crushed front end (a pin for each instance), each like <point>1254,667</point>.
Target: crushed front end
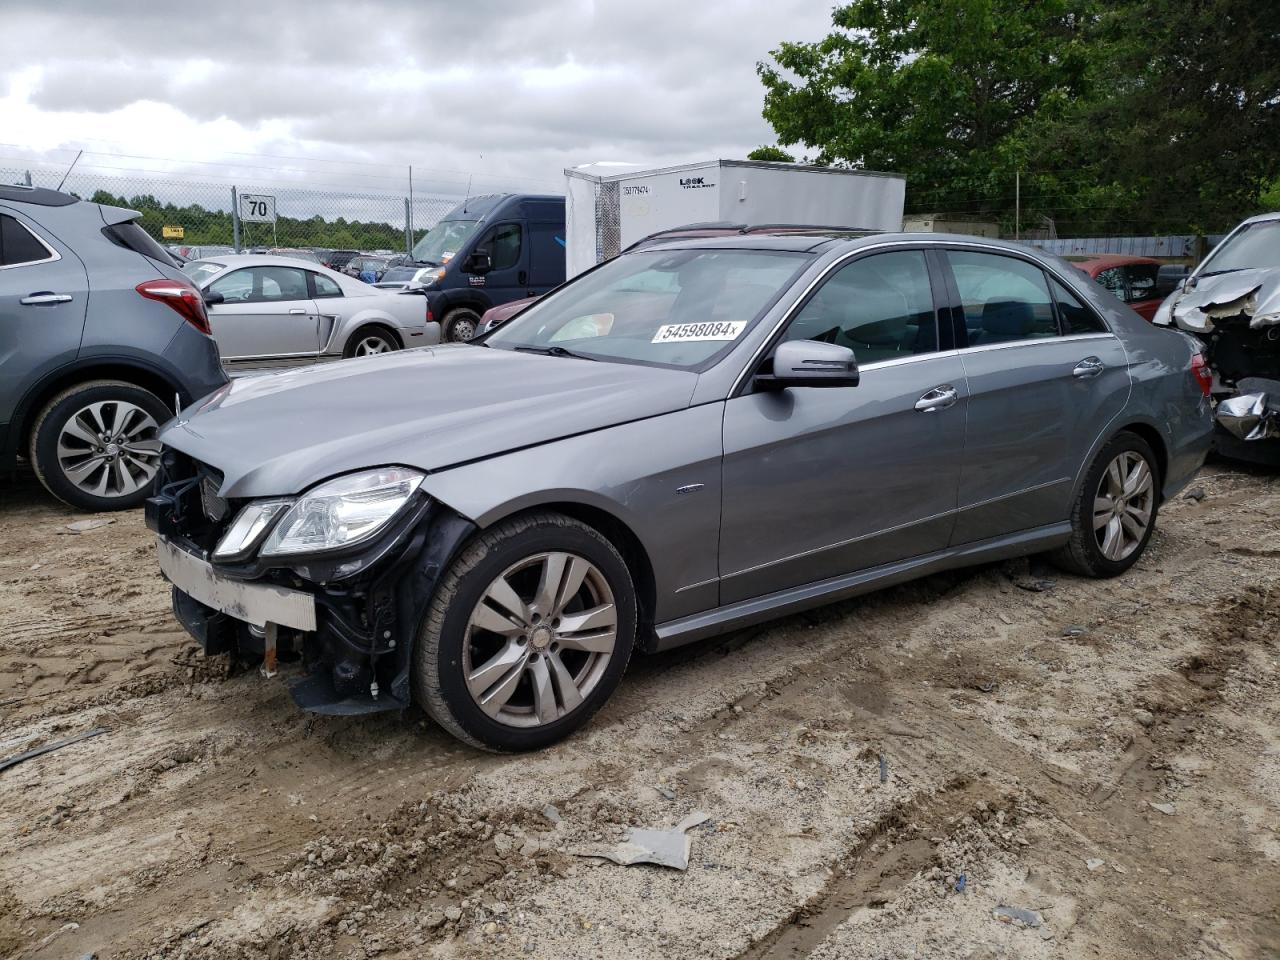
<point>1236,316</point>
<point>261,578</point>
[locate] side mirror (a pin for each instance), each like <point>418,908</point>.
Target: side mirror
<point>810,363</point>
<point>479,263</point>
<point>212,298</point>
<point>1169,277</point>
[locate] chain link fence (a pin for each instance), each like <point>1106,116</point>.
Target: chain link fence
<point>194,214</point>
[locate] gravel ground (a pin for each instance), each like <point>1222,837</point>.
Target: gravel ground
<point>880,775</point>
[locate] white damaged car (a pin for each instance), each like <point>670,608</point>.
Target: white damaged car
<point>1231,302</point>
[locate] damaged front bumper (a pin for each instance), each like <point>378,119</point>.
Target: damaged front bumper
<point>349,618</point>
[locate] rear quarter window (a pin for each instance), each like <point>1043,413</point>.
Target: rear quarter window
<point>131,236</point>
<point>18,245</point>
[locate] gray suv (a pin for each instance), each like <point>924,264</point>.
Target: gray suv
<point>690,438</point>
<point>101,338</point>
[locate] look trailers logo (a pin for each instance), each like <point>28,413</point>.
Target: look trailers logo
<point>695,183</point>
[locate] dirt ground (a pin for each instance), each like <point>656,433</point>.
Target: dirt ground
<point>880,775</point>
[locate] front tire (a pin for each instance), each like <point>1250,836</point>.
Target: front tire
<point>460,325</point>
<point>1114,514</point>
<point>528,634</point>
<point>95,446</point>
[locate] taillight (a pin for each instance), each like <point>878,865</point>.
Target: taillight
<point>1200,370</point>
<point>430,318</point>
<point>180,295</point>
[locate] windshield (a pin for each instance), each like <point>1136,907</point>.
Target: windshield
<point>201,270</point>
<point>680,308</point>
<point>443,241</point>
<point>1253,245</point>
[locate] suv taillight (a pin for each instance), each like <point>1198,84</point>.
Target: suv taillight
<point>1200,370</point>
<point>180,295</point>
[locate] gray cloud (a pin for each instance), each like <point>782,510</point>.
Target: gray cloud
<point>531,88</point>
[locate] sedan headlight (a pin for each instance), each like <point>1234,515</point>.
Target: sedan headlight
<point>343,511</point>
<point>248,528</point>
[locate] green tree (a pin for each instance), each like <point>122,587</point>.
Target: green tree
<point>771,154</point>
<point>1125,116</point>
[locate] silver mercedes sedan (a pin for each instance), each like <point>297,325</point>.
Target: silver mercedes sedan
<point>271,311</point>
<point>691,438</point>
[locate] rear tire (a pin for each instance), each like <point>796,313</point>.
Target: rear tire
<point>370,341</point>
<point>95,446</point>
<point>508,679</point>
<point>1114,513</point>
<point>460,325</point>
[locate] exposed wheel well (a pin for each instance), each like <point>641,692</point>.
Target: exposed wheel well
<point>1156,442</point>
<point>627,544</point>
<point>34,402</point>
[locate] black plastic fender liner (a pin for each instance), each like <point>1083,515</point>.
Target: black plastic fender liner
<point>398,597</point>
<point>448,531</point>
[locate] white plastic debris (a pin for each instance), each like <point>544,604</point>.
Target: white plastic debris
<point>666,848</point>
<point>84,526</point>
<point>1017,916</point>
<point>1168,809</point>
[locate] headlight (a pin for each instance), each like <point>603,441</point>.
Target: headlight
<point>342,511</point>
<point>248,527</point>
<point>429,275</point>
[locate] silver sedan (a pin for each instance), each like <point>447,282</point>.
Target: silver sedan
<point>269,312</point>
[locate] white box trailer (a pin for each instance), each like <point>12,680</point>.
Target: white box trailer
<point>609,206</point>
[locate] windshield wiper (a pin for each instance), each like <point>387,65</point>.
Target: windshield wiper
<point>1218,273</point>
<point>554,352</point>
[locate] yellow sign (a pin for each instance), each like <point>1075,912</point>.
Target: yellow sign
<point>172,233</point>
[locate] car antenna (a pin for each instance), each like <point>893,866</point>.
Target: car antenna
<point>467,198</point>
<point>70,168</point>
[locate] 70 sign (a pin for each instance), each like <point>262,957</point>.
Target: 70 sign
<point>257,208</point>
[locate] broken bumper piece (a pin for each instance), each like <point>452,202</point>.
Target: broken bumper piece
<point>1254,413</point>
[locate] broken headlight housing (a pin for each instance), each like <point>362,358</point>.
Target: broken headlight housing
<point>342,512</point>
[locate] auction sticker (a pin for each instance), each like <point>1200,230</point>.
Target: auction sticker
<point>689,332</point>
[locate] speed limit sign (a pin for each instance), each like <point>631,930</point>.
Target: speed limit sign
<point>257,208</point>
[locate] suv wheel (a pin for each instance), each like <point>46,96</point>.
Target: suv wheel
<point>460,325</point>
<point>528,634</point>
<point>1115,512</point>
<point>96,447</point>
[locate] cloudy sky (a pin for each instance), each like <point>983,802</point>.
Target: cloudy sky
<point>350,93</point>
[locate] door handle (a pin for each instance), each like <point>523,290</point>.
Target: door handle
<point>45,299</point>
<point>939,398</point>
<point>1087,368</point>
<point>297,311</point>
<point>523,278</point>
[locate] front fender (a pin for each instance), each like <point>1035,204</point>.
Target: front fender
<point>659,477</point>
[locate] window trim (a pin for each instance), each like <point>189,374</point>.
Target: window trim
<point>53,257</point>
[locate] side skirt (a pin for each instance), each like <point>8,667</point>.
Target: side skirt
<point>745,613</point>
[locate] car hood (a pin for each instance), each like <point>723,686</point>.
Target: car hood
<point>1254,293</point>
<point>429,408</point>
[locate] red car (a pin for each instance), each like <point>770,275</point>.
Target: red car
<point>1132,279</point>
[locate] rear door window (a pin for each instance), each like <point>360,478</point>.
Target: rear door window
<point>18,245</point>
<point>1005,299</point>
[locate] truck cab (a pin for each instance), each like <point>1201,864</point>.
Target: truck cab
<point>488,251</point>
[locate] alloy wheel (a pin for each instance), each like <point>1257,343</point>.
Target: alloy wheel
<point>540,639</point>
<point>373,344</point>
<point>1123,504</point>
<point>109,448</point>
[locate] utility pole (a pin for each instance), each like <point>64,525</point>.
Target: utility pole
<point>408,216</point>
<point>408,229</point>
<point>1017,204</point>
<point>235,220</point>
